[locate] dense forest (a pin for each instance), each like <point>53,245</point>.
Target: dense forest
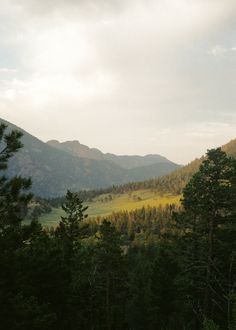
<point>166,268</point>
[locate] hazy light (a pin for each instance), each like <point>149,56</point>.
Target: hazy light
<point>124,76</point>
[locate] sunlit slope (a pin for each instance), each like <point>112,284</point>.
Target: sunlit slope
<point>108,203</point>
<point>174,182</point>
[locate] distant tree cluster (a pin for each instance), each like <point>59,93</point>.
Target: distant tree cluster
<point>146,224</point>
<point>166,268</point>
<point>37,208</point>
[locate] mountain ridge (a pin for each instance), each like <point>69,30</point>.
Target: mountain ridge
<point>175,181</point>
<point>125,161</point>
<point>53,171</point>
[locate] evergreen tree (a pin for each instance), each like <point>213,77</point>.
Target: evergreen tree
<point>207,226</point>
<point>13,207</point>
<point>110,279</point>
<point>167,290</point>
<point>70,225</point>
<point>13,199</point>
<point>140,311</point>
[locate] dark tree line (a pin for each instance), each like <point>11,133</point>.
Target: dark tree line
<point>156,268</point>
<point>146,224</point>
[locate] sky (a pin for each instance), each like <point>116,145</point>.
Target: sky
<point>124,76</point>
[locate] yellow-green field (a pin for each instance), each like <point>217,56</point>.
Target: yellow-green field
<point>108,203</point>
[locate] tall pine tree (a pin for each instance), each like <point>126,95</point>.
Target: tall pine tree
<point>208,231</point>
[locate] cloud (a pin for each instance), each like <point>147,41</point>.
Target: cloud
<point>220,50</point>
<point>70,8</point>
<point>7,70</point>
<point>119,72</point>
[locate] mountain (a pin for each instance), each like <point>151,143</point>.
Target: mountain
<point>230,148</point>
<point>128,162</point>
<point>54,170</point>
<point>75,148</point>
<point>175,181</point>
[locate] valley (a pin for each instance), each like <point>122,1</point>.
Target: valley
<point>106,204</point>
<point>134,230</point>
<point>117,165</point>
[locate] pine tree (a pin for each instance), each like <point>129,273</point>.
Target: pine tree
<point>207,227</point>
<point>110,278</point>
<point>70,225</point>
<point>13,207</point>
<point>13,199</point>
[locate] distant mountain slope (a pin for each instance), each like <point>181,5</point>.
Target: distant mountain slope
<point>230,148</point>
<point>128,162</point>
<point>176,180</point>
<point>151,171</point>
<point>53,170</point>
<point>131,162</point>
<point>77,149</point>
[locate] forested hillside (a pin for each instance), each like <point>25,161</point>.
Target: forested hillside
<point>175,181</point>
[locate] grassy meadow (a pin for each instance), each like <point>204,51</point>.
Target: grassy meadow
<point>106,204</point>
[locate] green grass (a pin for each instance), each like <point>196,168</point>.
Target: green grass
<point>51,219</point>
<point>104,204</point>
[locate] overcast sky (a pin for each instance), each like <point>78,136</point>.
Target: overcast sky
<point>125,76</point>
